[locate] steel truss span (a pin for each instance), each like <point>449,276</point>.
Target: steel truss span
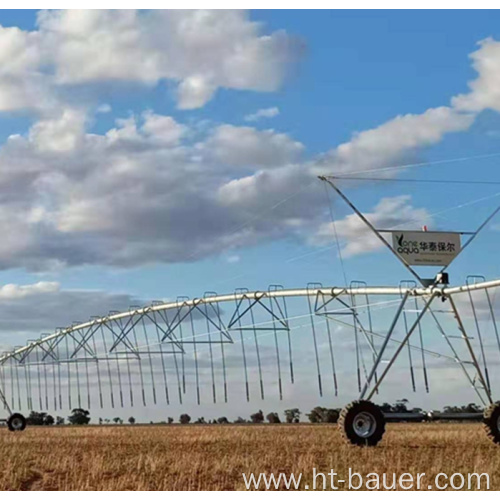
<point>259,344</point>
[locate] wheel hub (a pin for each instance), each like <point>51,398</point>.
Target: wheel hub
<point>364,424</point>
<point>17,423</point>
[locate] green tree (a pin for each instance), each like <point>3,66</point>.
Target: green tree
<point>323,415</point>
<point>131,420</point>
<point>36,418</point>
<point>184,418</point>
<point>257,418</point>
<point>292,416</point>
<point>59,420</point>
<point>79,416</point>
<point>49,420</point>
<point>331,416</point>
<point>316,415</point>
<point>273,418</point>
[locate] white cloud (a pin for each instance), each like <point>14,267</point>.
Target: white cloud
<point>151,189</point>
<point>59,133</point>
<point>144,191</point>
<point>154,190</point>
<point>104,108</point>
<point>262,113</point>
<point>194,92</point>
<point>232,145</point>
<point>393,141</point>
<point>162,128</point>
<point>485,89</point>
<point>389,213</point>
<point>199,50</point>
<point>22,82</point>
<point>13,291</point>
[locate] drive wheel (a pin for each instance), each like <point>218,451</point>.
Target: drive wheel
<point>16,422</point>
<point>491,422</point>
<point>362,423</point>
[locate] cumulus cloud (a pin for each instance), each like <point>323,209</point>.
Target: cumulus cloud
<point>199,50</point>
<point>389,213</point>
<point>485,89</point>
<point>149,189</point>
<point>232,145</point>
<point>394,141</point>
<point>262,113</point>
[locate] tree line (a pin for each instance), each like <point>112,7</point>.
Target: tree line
<point>318,414</point>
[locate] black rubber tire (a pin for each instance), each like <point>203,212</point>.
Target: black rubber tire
<point>347,423</point>
<point>491,420</point>
<point>16,422</point>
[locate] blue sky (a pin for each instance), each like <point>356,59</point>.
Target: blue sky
<point>358,70</point>
<point>332,77</point>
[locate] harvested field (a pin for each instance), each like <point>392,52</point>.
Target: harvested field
<point>213,457</point>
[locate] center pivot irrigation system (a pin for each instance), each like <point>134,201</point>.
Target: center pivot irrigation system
<point>255,343</point>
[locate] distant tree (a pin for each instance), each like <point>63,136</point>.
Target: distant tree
<point>100,420</point>
<point>323,415</point>
<point>131,420</point>
<point>257,418</point>
<point>331,416</point>
<point>118,420</point>
<point>240,420</point>
<point>273,418</point>
<point>222,420</point>
<point>200,420</point>
<point>170,420</point>
<point>107,420</point>
<point>36,418</point>
<point>79,416</point>
<point>49,420</point>
<point>59,420</point>
<point>184,418</point>
<point>468,408</point>
<point>316,415</point>
<point>292,416</point>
